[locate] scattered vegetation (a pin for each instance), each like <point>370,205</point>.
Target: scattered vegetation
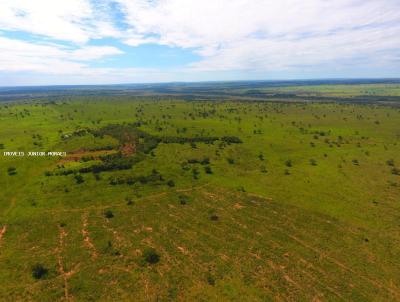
<point>245,191</point>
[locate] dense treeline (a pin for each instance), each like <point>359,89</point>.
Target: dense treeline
<point>140,141</point>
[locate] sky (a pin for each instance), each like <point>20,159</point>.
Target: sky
<point>61,42</point>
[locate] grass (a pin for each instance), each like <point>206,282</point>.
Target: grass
<point>305,207</point>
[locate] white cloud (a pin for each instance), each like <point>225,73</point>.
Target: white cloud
<point>267,34</point>
<point>16,55</point>
<point>89,53</point>
<point>250,36</point>
<point>73,20</point>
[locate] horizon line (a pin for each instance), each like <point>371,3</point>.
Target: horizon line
<point>211,81</point>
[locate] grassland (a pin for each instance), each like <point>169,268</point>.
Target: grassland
<point>340,90</point>
<point>172,200</point>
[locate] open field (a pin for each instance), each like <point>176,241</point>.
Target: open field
<point>348,91</point>
<point>162,199</point>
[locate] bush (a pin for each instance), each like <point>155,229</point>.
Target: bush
<point>288,163</point>
<point>183,199</point>
<point>12,171</point>
<point>39,271</point>
<point>313,162</point>
<point>151,256</point>
<point>196,173</point>
<point>205,161</point>
<point>208,170</point>
<point>396,171</point>
<point>214,217</point>
<point>79,179</point>
<point>231,161</point>
<point>231,140</point>
<point>171,183</point>
<point>108,214</point>
<point>390,162</point>
<point>211,280</point>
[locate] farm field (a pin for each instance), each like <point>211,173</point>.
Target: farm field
<point>165,199</point>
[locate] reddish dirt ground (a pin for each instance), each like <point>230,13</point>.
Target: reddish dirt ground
<point>128,149</point>
<point>77,155</point>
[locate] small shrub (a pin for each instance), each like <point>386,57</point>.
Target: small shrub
<point>39,271</point>
<point>390,162</point>
<point>396,171</point>
<point>231,161</point>
<point>196,173</point>
<point>183,199</point>
<point>288,163</point>
<point>12,171</point>
<point>211,280</point>
<point>313,162</point>
<point>241,189</point>
<point>79,179</point>
<point>205,161</point>
<point>171,183</point>
<point>214,217</point>
<point>108,214</point>
<point>151,256</point>
<point>208,170</point>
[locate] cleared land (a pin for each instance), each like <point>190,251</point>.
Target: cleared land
<point>200,200</point>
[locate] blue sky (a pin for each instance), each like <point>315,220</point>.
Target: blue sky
<point>45,42</point>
